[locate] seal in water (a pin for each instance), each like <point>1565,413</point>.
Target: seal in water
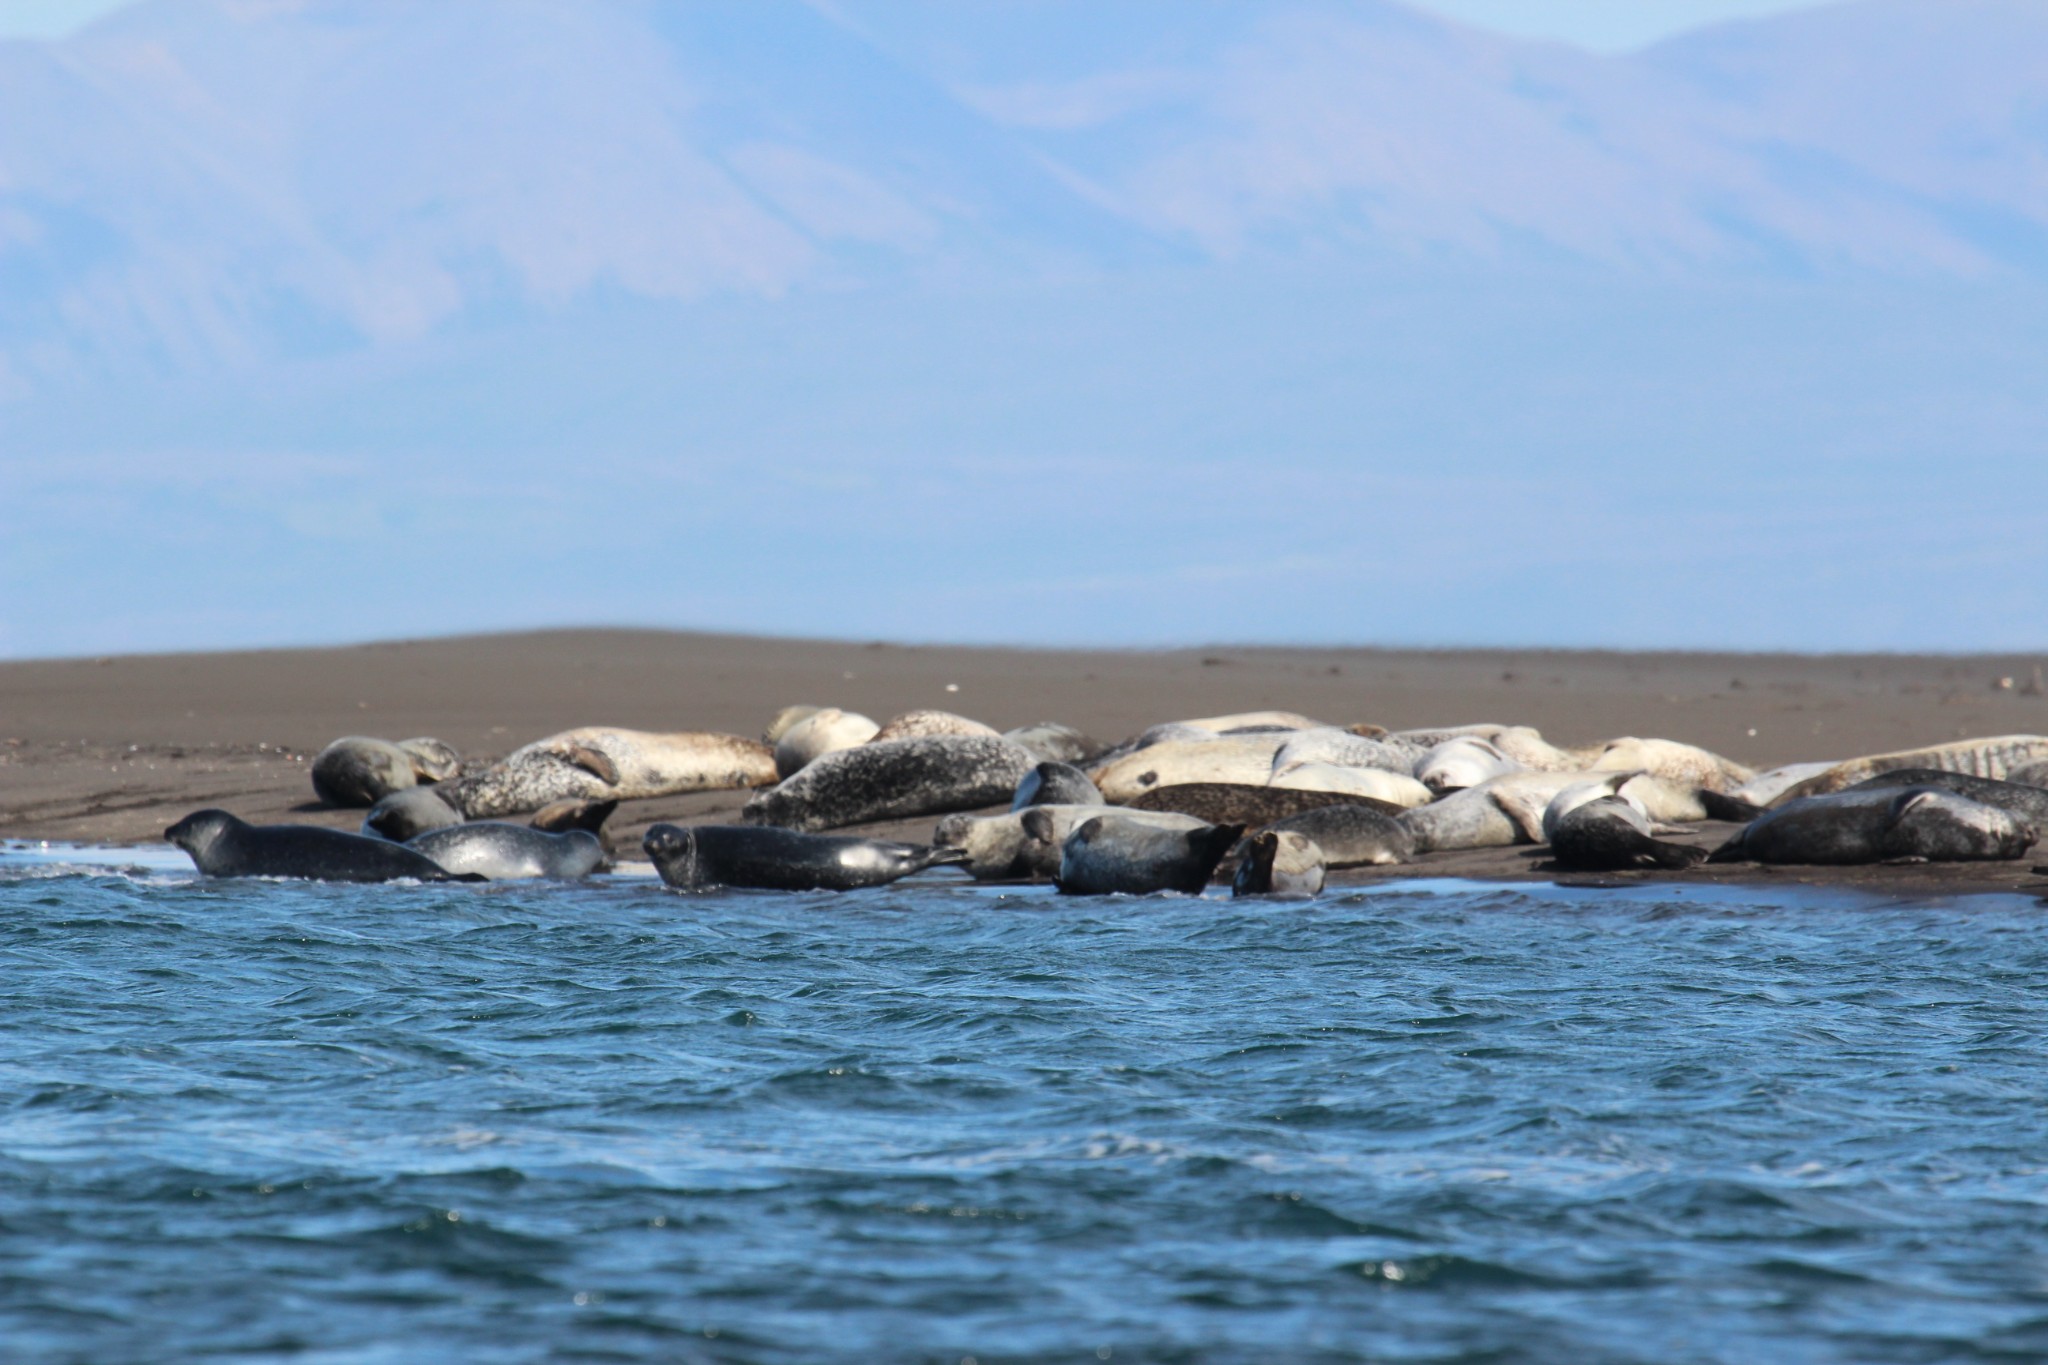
<point>700,857</point>
<point>1113,855</point>
<point>223,846</point>
<point>1055,784</point>
<point>1879,824</point>
<point>894,779</point>
<point>1024,845</point>
<point>1278,862</point>
<point>356,770</point>
<point>503,852</point>
<point>597,763</point>
<point>1352,835</point>
<point>1231,803</point>
<point>1611,834</point>
<point>824,731</point>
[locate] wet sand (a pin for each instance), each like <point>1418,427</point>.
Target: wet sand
<point>113,750</point>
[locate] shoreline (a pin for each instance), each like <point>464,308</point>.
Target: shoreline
<point>110,751</point>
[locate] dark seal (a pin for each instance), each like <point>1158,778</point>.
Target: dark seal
<point>700,857</point>
<point>894,779</point>
<point>223,846</point>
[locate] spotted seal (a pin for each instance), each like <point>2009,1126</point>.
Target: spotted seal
<point>1055,784</point>
<point>504,852</point>
<point>1992,758</point>
<point>700,857</point>
<point>823,731</point>
<point>1374,783</point>
<point>1229,803</point>
<point>1879,824</point>
<point>222,845</point>
<point>1051,742</point>
<point>1683,765</point>
<point>894,779</point>
<point>1611,834</point>
<point>1024,845</point>
<point>1111,854</point>
<point>599,763</point>
<point>1352,835</point>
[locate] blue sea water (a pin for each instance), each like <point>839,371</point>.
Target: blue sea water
<point>1425,1122</point>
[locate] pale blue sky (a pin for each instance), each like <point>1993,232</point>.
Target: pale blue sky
<point>1602,24</point>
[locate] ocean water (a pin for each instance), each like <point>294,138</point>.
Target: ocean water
<point>1426,1122</point>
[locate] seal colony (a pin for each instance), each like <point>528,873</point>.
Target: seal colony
<point>1270,803</point>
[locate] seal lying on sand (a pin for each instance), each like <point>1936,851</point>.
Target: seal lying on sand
<point>598,763</point>
<point>1113,854</point>
<point>1230,803</point>
<point>1278,863</point>
<point>823,731</point>
<point>1611,834</point>
<point>222,845</point>
<point>1244,760</point>
<point>1879,824</point>
<point>700,857</point>
<point>1374,784</point>
<point>503,852</point>
<point>1992,758</point>
<point>1051,742</point>
<point>402,814</point>
<point>925,724</point>
<point>892,780</point>
<point>1352,835</point>
<point>357,770</point>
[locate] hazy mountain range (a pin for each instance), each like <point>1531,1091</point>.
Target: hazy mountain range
<point>1022,320</point>
<point>198,181</point>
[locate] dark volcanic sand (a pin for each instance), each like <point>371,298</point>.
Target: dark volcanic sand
<point>113,750</point>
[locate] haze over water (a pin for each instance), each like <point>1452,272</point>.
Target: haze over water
<point>273,1120</point>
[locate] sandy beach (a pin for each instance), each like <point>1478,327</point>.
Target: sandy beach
<point>112,750</point>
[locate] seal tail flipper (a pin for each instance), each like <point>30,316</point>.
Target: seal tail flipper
<point>1733,809</point>
<point>1674,857</point>
<point>1731,852</point>
<point>592,760</point>
<point>939,856</point>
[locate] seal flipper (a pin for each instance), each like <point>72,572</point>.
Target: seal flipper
<point>1732,851</point>
<point>938,856</point>
<point>1672,857</point>
<point>1733,809</point>
<point>591,760</point>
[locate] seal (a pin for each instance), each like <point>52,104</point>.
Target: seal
<point>1347,750</point>
<point>1509,810</point>
<point>1992,758</point>
<point>700,857</point>
<point>1374,783</point>
<point>1682,765</point>
<point>1520,743</point>
<point>598,763</point>
<point>1112,854</point>
<point>1024,845</point>
<point>563,816</point>
<point>1051,742</point>
<point>409,811</point>
<point>894,779</point>
<point>503,852</point>
<point>1242,760</point>
<point>1611,834</point>
<point>1579,793</point>
<point>1463,762</point>
<point>925,724</point>
<point>1227,803</point>
<point>1277,862</point>
<point>1879,824</point>
<point>823,731</point>
<point>1055,784</point>
<point>1352,835</point>
<point>222,845</point>
<point>786,718</point>
<point>357,770</point>
<point>2029,803</point>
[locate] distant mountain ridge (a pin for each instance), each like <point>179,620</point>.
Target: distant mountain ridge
<point>198,182</point>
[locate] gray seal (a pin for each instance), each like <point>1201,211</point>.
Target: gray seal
<point>1051,742</point>
<point>604,763</point>
<point>894,779</point>
<point>1235,803</point>
<point>1352,835</point>
<point>1279,863</point>
<point>700,857</point>
<point>503,852</point>
<point>357,770</point>
<point>1024,845</point>
<point>1055,784</point>
<point>1111,855</point>
<point>221,845</point>
<point>1879,824</point>
<point>1611,834</point>
<point>2029,803</point>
